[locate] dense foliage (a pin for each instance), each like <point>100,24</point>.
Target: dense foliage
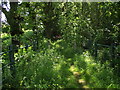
<point>64,37</point>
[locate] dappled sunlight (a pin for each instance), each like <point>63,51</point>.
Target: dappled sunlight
<point>52,45</point>
<point>96,74</point>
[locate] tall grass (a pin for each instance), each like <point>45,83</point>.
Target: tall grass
<point>97,75</point>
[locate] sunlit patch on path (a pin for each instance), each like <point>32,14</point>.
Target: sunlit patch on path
<point>82,83</point>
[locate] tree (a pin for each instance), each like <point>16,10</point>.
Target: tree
<point>13,20</point>
<point>50,20</point>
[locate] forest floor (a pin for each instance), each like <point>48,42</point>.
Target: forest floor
<point>81,83</point>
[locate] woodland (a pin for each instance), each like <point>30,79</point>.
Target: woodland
<point>60,45</point>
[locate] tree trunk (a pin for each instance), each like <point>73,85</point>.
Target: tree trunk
<point>14,22</point>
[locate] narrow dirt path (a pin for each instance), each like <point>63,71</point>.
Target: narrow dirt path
<point>82,83</point>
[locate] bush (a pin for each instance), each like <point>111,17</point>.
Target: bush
<point>42,70</point>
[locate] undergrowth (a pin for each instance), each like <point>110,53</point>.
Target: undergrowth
<point>50,68</point>
<point>97,75</point>
<point>44,69</point>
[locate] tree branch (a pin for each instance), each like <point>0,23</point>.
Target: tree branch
<point>4,10</point>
